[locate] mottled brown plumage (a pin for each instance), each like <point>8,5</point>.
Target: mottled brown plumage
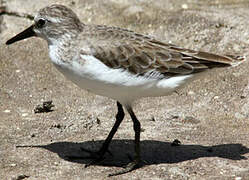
<point>140,54</point>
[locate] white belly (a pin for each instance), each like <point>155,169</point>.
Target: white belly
<point>93,75</point>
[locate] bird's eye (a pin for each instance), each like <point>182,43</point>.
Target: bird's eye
<point>40,23</point>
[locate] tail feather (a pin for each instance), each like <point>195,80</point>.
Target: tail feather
<point>218,59</point>
<point>201,61</point>
<point>209,59</point>
<point>236,60</point>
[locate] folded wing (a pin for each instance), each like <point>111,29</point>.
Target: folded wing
<point>144,55</point>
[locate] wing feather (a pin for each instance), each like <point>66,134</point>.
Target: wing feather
<point>144,55</point>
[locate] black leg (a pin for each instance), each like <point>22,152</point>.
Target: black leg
<point>119,119</point>
<point>99,155</point>
<point>137,128</point>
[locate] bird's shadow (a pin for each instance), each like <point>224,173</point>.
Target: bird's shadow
<point>153,152</point>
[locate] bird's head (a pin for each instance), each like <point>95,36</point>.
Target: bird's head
<point>52,23</point>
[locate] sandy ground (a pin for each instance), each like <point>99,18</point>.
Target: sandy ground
<point>209,116</point>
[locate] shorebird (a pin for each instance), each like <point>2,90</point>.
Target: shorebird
<point>117,63</point>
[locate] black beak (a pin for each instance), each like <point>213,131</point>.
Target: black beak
<point>29,32</point>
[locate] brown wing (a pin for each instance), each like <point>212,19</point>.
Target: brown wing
<point>139,54</point>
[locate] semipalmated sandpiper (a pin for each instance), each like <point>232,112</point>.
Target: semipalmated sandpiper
<point>117,63</point>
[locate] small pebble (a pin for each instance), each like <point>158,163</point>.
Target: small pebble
<point>25,114</point>
<point>175,116</point>
<point>153,119</point>
<point>13,165</point>
<point>216,97</point>
<point>98,121</point>
<point>242,97</point>
<point>176,142</point>
<point>45,107</point>
<point>191,93</point>
<point>20,177</point>
<point>184,6</point>
<point>56,126</point>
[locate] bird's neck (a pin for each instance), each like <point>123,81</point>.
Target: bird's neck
<point>62,50</point>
